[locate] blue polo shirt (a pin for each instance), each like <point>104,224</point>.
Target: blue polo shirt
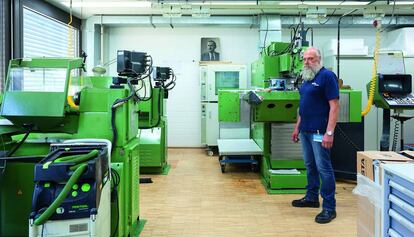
<point>314,101</point>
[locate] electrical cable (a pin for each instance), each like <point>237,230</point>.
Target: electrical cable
<point>117,103</point>
<point>338,47</point>
<point>159,113</point>
<point>326,21</point>
<point>267,29</point>
<point>288,48</point>
<point>163,87</point>
<point>347,139</point>
<point>306,32</point>
<point>18,144</point>
<point>392,16</point>
<point>172,82</point>
<point>373,82</point>
<point>115,179</point>
<point>395,135</point>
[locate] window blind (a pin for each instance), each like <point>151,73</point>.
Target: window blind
<point>2,46</point>
<point>46,37</point>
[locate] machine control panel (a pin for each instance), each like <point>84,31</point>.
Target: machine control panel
<point>399,101</point>
<point>395,89</point>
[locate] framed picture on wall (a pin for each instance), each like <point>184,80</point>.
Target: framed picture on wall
<point>210,49</point>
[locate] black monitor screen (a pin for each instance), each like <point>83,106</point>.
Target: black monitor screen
<point>394,83</point>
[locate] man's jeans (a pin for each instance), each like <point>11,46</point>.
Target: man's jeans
<point>318,165</point>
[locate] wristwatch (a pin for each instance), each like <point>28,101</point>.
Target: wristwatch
<point>329,133</point>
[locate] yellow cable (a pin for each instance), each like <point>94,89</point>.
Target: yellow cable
<point>70,33</point>
<point>69,53</point>
<point>70,97</point>
<point>374,74</point>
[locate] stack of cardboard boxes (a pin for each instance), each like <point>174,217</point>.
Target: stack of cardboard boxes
<point>369,168</point>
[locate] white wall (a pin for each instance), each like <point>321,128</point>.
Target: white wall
<point>357,72</point>
<point>179,48</point>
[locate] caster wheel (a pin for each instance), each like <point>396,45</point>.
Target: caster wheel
<point>210,153</point>
<point>255,167</point>
<point>223,168</point>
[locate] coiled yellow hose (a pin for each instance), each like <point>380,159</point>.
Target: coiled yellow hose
<point>374,72</point>
<point>69,53</point>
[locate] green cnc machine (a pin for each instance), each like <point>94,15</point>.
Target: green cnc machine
<point>36,111</point>
<point>153,123</point>
<point>273,115</point>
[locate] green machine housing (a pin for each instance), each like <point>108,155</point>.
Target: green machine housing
<point>153,137</point>
<point>274,63</point>
<point>272,120</point>
<point>276,116</point>
<point>35,102</point>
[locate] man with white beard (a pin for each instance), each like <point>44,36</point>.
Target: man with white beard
<point>318,113</point>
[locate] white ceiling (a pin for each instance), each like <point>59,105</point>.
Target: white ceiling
<point>86,8</point>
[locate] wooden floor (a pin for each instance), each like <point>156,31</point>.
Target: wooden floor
<point>196,199</point>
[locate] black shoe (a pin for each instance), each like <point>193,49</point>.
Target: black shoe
<point>305,203</point>
<point>325,216</point>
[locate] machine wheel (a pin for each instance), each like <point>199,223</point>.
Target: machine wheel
<point>254,167</point>
<point>210,153</point>
<point>223,168</point>
<point>220,158</point>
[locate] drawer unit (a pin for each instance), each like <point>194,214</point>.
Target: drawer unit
<point>398,200</point>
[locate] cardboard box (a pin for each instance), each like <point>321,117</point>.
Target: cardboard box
<point>367,161</point>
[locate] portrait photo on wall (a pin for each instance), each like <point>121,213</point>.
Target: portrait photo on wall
<point>210,49</point>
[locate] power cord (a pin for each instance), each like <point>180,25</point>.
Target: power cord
<point>347,139</point>
<point>395,135</point>
<point>115,180</point>
<point>18,144</point>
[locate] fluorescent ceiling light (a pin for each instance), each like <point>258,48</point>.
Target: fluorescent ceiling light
<point>172,14</point>
<point>201,11</point>
<point>201,15</point>
<point>373,13</point>
<point>143,4</point>
<point>323,3</point>
<point>401,3</point>
<point>209,3</point>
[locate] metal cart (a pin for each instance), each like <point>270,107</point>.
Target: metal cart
<point>238,151</point>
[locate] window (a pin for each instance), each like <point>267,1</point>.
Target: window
<point>227,80</point>
<point>2,44</point>
<point>46,37</point>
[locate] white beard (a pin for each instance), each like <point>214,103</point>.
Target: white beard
<point>309,73</point>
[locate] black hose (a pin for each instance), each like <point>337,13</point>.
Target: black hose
<point>159,113</point>
<point>115,179</point>
<point>18,144</point>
